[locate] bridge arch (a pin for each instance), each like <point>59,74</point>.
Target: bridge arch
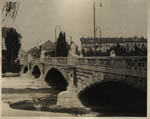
<point>36,72</point>
<point>55,78</point>
<point>25,69</point>
<point>114,97</point>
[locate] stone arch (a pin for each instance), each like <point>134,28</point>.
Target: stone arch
<point>55,78</point>
<point>36,72</point>
<point>101,77</point>
<point>114,97</point>
<point>25,69</point>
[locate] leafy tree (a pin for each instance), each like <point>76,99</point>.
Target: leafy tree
<point>119,50</point>
<point>77,51</point>
<point>144,51</point>
<point>90,53</point>
<point>12,42</point>
<point>65,46</point>
<point>61,46</point>
<point>83,52</point>
<point>98,53</point>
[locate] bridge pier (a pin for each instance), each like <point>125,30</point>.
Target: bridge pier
<point>69,98</point>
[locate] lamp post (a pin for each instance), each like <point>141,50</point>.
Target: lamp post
<point>58,26</point>
<point>94,10</point>
<point>100,31</point>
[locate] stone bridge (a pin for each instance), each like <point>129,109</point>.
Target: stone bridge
<point>92,81</point>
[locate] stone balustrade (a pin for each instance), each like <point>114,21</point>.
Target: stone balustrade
<point>130,63</point>
<point>57,60</point>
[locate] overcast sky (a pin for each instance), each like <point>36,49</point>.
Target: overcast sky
<point>36,19</point>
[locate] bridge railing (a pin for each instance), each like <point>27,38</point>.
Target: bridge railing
<point>62,60</point>
<point>131,63</point>
<point>137,63</point>
<point>35,60</point>
<point>57,60</point>
<point>49,60</point>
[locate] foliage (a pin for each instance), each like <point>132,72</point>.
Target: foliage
<point>77,51</point>
<point>90,52</point>
<point>61,46</point>
<point>119,51</point>
<point>12,42</point>
<point>13,67</point>
<point>13,45</point>
<point>83,52</point>
<point>35,52</point>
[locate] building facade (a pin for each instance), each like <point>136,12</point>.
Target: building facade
<point>48,46</point>
<point>104,44</point>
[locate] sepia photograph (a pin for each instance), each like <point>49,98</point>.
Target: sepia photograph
<point>74,58</point>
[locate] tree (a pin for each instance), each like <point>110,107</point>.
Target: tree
<point>83,52</point>
<point>77,51</point>
<point>65,46</point>
<point>90,52</point>
<point>61,46</point>
<point>118,49</point>
<point>10,54</point>
<point>144,51</point>
<point>12,42</point>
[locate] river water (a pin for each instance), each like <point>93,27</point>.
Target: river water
<point>29,95</point>
<point>26,93</point>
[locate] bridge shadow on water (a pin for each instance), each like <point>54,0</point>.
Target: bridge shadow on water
<point>115,99</point>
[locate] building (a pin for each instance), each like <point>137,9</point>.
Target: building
<point>104,44</point>
<point>34,52</point>
<point>21,53</point>
<point>48,47</point>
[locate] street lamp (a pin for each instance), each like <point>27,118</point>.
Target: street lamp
<point>100,31</point>
<point>58,26</point>
<point>94,4</point>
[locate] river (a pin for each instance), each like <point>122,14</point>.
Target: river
<point>24,95</point>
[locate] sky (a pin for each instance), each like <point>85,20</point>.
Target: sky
<point>36,19</point>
